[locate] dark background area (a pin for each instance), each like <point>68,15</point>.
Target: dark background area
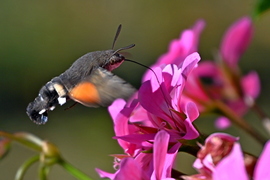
<point>41,39</point>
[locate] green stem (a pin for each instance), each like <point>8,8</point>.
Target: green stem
<point>25,166</point>
<point>43,172</point>
<point>74,171</point>
<point>239,121</point>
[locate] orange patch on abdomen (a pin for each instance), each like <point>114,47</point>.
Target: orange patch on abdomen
<point>85,93</point>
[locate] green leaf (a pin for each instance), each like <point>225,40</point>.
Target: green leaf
<point>261,7</point>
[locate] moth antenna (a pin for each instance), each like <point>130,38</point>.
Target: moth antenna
<point>124,48</point>
<point>116,35</point>
<point>157,81</point>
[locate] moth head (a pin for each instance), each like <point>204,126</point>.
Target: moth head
<point>116,58</point>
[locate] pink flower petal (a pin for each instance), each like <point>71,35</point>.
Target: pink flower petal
<point>222,123</point>
<point>191,111</point>
<point>121,125</point>
<point>160,150</point>
<point>180,48</point>
<point>236,40</point>
<point>104,174</point>
<point>116,107</point>
<point>197,29</point>
<point>138,115</point>
<point>171,75</point>
<point>208,162</point>
<point>251,84</point>
<point>136,138</point>
<point>223,136</point>
<point>154,102</point>
<point>120,121</point>
<point>130,170</point>
<point>190,62</point>
<point>191,132</point>
<point>193,87</point>
<point>198,164</point>
<point>262,167</point>
<point>145,161</point>
<point>232,166</point>
<point>170,158</point>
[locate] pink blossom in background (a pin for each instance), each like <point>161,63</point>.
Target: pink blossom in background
<point>179,49</point>
<point>222,122</point>
<point>236,41</point>
<point>204,84</point>
<point>212,81</point>
<point>234,164</point>
<point>262,167</point>
<point>251,87</point>
<point>217,146</point>
<point>221,158</point>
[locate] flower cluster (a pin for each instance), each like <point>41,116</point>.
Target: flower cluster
<point>221,80</point>
<point>221,158</point>
<point>157,122</point>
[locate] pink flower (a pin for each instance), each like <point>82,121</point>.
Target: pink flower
<point>222,122</point>
<point>146,166</point>
<point>120,113</point>
<point>162,100</point>
<point>236,41</point>
<point>151,125</point>
<point>217,146</point>
<point>160,110</point>
<point>234,163</point>
<point>212,81</point>
<point>180,48</point>
<point>159,107</point>
<point>159,103</point>
<point>221,158</point>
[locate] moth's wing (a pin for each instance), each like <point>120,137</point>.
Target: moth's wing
<point>101,88</point>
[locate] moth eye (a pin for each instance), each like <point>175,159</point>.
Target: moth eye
<point>112,61</point>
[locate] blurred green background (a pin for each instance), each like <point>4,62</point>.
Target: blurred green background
<point>41,39</point>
